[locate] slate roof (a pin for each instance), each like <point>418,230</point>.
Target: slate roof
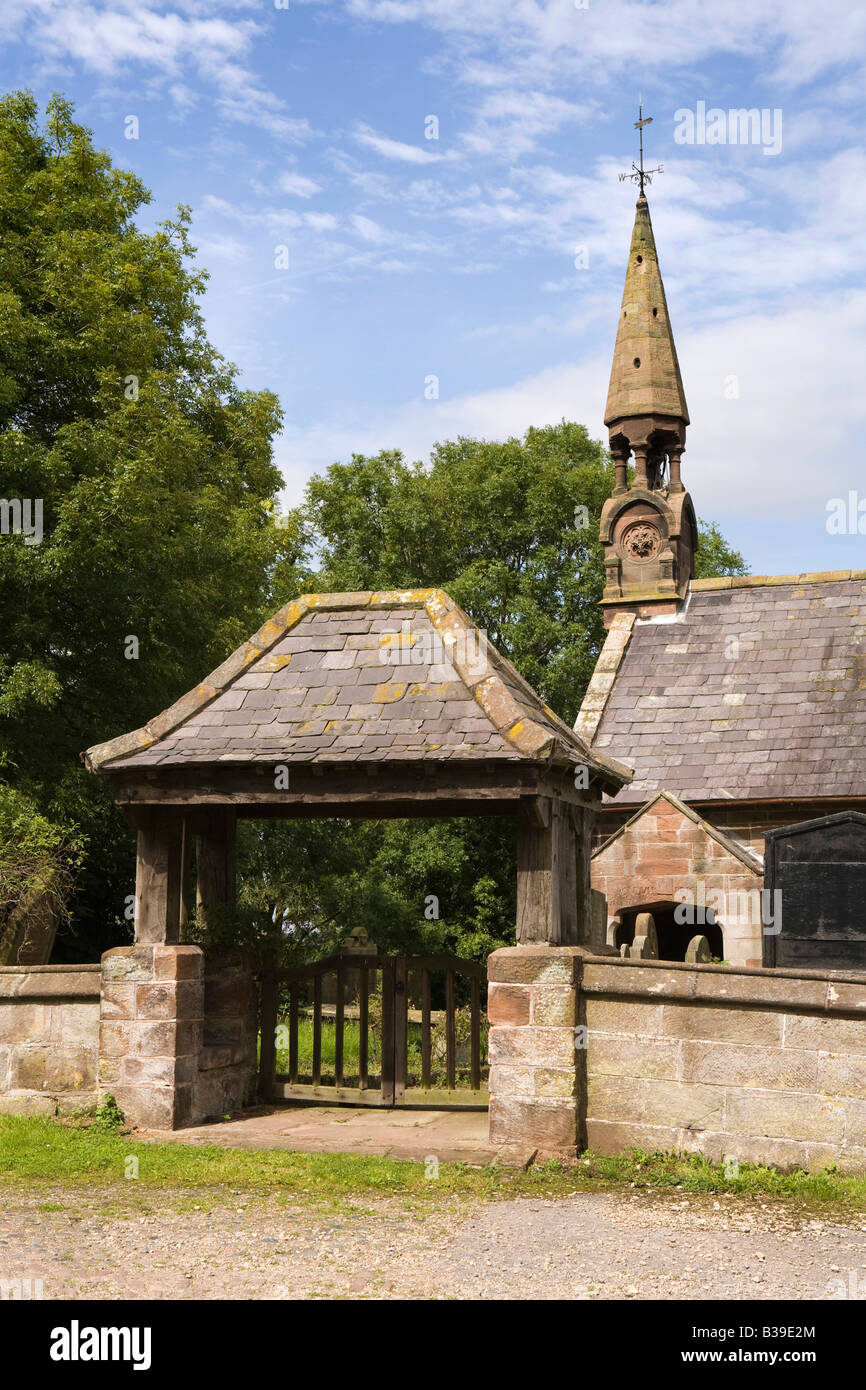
<point>358,677</point>
<point>754,690</point>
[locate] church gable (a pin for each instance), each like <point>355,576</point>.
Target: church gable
<point>667,856</point>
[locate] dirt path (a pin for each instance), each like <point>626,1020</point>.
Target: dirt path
<point>589,1246</point>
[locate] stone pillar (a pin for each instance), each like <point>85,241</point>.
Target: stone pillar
<point>620,465</point>
<point>150,1034</point>
<point>675,454</point>
<point>536,1049</point>
<point>640,461</point>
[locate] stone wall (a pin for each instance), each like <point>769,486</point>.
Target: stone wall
<point>49,1037</point>
<point>759,1066</point>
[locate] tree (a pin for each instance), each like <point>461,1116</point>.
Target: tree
<point>510,530</point>
<point>715,557</point>
<point>152,470</point>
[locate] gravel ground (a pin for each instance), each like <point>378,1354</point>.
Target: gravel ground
<point>587,1246</point>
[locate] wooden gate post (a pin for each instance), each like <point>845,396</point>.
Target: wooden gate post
<point>547,875</point>
<point>268,1002</point>
<point>158,871</point>
<point>215,829</point>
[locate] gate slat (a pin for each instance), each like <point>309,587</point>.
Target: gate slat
<point>339,1023</point>
<point>363,1025</point>
<point>317,1029</point>
<point>426,1047</point>
<point>475,1045</point>
<point>450,1031</point>
<point>388,1001</point>
<point>293,1035</point>
<point>401,1026</point>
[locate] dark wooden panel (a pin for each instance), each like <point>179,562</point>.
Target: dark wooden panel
<point>819,869</point>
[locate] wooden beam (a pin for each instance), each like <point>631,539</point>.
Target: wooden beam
<point>158,877</point>
<point>350,789</point>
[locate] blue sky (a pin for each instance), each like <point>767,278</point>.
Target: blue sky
<point>305,127</point>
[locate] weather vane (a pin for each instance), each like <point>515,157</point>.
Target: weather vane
<point>639,174</point>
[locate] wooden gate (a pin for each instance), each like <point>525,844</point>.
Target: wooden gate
<point>375,1030</point>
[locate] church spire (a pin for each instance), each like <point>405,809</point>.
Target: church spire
<point>645,378</point>
<point>648,530</point>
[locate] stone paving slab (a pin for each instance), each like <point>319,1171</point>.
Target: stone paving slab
<point>452,1136</point>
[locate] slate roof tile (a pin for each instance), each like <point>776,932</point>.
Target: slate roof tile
<point>775,719</point>
<point>321,691</point>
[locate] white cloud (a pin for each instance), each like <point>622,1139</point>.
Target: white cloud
<point>394,149</point>
<point>369,230</point>
<point>298,185</point>
<point>791,440</point>
<point>116,36</point>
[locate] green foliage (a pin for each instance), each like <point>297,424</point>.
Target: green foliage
<point>155,473</point>
<point>38,859</point>
<point>110,1119</point>
<point>304,885</point>
<point>715,557</point>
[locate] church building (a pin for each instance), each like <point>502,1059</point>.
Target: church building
<point>740,703</point>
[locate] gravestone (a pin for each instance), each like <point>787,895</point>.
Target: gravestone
<point>698,951</point>
<point>646,943</point>
<point>818,869</point>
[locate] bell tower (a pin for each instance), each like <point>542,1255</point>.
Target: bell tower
<point>648,529</point>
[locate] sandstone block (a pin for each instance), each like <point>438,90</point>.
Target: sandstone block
<point>623,1016</point>
<point>717,1024</point>
<point>729,1064</point>
<point>21,1022</point>
<point>532,965</point>
<point>682,1106</point>
<point>558,1084</point>
<point>554,1006</point>
<point>128,963</point>
<point>508,1004</point>
<point>826,1034</point>
<point>178,963</point>
<point>512,1081</point>
<point>549,1125</point>
<point>785,1115</point>
<point>531,1046</point>
<point>651,1058</point>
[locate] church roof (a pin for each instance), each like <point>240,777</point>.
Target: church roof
<point>354,677</point>
<point>645,376</point>
<point>754,690</point>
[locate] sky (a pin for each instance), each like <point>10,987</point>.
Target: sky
<point>415,228</point>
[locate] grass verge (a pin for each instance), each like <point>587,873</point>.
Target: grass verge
<point>41,1151</point>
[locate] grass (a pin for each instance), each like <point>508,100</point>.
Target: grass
<point>351,1055</point>
<point>45,1153</point>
